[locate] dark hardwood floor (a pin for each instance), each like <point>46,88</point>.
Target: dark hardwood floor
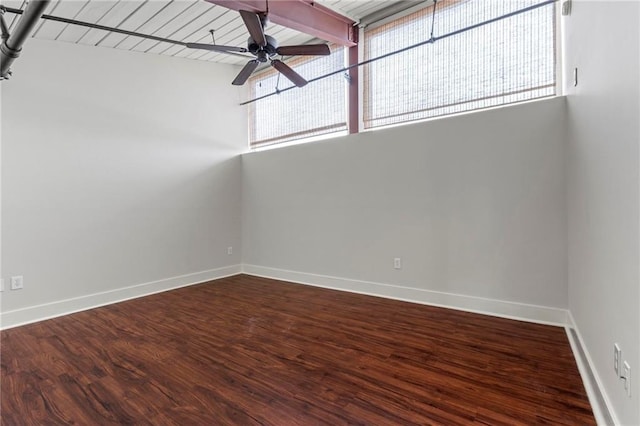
<point>246,350</point>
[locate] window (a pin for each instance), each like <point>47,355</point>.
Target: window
<point>507,61</point>
<point>316,109</point>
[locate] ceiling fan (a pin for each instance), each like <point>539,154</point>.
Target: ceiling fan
<point>264,48</point>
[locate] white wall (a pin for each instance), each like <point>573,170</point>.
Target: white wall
<point>474,205</point>
<point>602,40</point>
<point>118,169</point>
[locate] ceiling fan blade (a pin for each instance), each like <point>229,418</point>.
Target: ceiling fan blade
<point>254,25</point>
<point>244,74</point>
<point>216,47</point>
<point>304,49</point>
<point>289,73</point>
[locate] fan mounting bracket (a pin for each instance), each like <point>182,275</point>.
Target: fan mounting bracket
<point>262,56</point>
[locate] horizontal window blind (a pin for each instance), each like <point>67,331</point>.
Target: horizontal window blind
<point>313,110</point>
<point>507,61</point>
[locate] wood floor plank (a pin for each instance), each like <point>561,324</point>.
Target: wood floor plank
<point>245,350</point>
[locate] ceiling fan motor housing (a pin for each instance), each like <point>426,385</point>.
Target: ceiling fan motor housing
<point>263,48</point>
<point>269,49</point>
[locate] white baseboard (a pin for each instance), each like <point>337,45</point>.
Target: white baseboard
<point>499,308</point>
<point>32,314</point>
<point>598,398</point>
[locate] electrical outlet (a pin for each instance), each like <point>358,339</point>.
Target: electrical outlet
<point>626,375</point>
<point>229,250</point>
<point>397,263</point>
<point>17,282</point>
<point>617,359</point>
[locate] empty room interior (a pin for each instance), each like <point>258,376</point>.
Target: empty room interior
<point>296,212</point>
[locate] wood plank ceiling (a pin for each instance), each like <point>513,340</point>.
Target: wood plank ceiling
<point>182,20</point>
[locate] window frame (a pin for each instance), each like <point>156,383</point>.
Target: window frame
<point>426,8</point>
<point>320,132</point>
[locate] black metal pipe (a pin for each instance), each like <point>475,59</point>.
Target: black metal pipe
<point>11,47</point>
<point>413,46</point>
<point>4,27</point>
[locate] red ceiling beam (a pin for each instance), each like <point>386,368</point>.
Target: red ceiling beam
<point>305,16</point>
<point>353,115</point>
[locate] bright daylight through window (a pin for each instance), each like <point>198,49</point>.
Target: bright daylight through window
<point>509,60</point>
<point>318,108</point>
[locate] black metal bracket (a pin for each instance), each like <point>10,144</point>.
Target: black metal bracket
<point>3,24</point>
<point>4,36</point>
